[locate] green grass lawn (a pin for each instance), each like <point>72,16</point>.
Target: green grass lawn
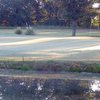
<point>54,31</point>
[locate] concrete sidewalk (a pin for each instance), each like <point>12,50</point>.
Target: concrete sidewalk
<point>10,73</point>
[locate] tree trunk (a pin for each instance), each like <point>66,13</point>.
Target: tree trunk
<point>74,24</point>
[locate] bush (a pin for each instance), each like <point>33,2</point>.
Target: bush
<point>24,68</point>
<point>94,68</point>
<point>18,31</point>
<point>29,31</point>
<point>75,69</point>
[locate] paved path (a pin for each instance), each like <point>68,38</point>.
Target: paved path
<point>47,48</point>
<point>10,73</point>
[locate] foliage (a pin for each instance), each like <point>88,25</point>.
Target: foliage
<point>23,68</point>
<point>29,12</point>
<point>29,31</point>
<point>62,67</point>
<point>52,66</point>
<point>18,31</point>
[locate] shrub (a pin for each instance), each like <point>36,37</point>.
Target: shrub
<point>18,30</point>
<point>93,68</point>
<point>75,69</point>
<point>29,31</point>
<point>24,68</point>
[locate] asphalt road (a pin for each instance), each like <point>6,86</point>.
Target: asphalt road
<point>50,48</point>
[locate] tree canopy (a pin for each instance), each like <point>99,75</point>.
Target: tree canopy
<point>30,12</point>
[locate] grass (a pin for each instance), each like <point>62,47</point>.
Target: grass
<point>94,68</point>
<point>53,31</point>
<point>52,66</point>
<point>23,68</point>
<point>77,69</point>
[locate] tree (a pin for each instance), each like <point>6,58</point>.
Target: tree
<point>29,12</point>
<point>75,10</point>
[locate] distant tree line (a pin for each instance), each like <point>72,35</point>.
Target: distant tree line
<point>46,12</point>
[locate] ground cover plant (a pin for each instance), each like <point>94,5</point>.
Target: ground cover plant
<point>52,66</point>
